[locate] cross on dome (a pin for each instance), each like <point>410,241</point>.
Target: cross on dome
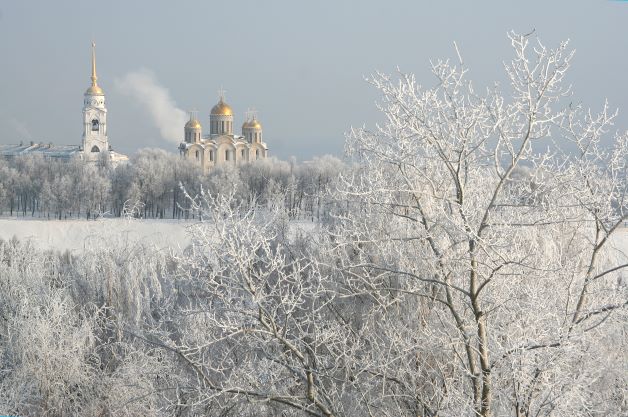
<point>221,93</point>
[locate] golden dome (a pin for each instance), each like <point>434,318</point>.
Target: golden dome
<point>221,109</point>
<point>255,124</point>
<point>193,124</point>
<point>252,124</point>
<point>94,90</point>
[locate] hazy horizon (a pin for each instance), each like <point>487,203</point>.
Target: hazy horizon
<point>300,65</point>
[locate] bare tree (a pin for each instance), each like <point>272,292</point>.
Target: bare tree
<point>496,213</point>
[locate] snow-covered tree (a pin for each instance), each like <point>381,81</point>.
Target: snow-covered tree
<point>485,222</point>
<point>468,265</point>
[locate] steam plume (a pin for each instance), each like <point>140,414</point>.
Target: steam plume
<point>143,87</point>
<point>21,129</point>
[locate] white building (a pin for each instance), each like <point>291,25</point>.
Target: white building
<point>222,146</point>
<point>95,142</point>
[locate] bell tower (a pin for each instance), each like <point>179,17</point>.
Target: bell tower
<point>95,138</point>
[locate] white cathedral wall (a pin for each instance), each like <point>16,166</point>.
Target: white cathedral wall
<point>195,154</point>
<point>256,151</point>
<point>241,154</point>
<point>225,154</point>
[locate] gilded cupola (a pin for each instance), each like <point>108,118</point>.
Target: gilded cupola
<point>222,109</point>
<point>221,118</point>
<point>193,129</point>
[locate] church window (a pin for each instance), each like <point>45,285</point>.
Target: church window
<point>95,149</point>
<point>242,153</point>
<point>95,125</point>
<point>211,155</point>
<point>256,153</point>
<point>196,154</point>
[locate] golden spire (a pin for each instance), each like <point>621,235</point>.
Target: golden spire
<point>94,90</point>
<point>94,76</point>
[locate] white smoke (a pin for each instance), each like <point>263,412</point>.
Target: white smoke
<point>143,87</point>
<point>21,129</point>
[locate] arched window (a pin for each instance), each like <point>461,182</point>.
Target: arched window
<point>226,155</point>
<point>211,156</point>
<point>196,154</point>
<point>95,149</point>
<point>95,125</point>
<point>257,154</point>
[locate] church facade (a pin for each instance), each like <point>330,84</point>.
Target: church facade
<point>95,142</point>
<point>221,146</point>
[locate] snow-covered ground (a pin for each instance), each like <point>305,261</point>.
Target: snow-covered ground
<point>75,235</point>
<point>621,242</point>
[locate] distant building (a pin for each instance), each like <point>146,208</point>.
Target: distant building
<point>222,146</point>
<point>95,142</point>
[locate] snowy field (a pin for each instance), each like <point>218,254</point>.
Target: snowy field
<point>621,244</point>
<point>75,235</point>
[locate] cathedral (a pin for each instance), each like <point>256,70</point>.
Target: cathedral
<point>95,142</point>
<point>222,146</point>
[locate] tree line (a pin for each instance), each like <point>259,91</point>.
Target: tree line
<point>152,185</point>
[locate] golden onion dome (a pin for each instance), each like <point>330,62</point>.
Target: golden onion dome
<point>94,90</point>
<point>255,124</point>
<point>193,124</point>
<point>222,109</point>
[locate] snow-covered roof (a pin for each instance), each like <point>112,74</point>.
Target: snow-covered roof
<point>44,149</point>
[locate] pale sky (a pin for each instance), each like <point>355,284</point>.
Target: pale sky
<point>301,64</point>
